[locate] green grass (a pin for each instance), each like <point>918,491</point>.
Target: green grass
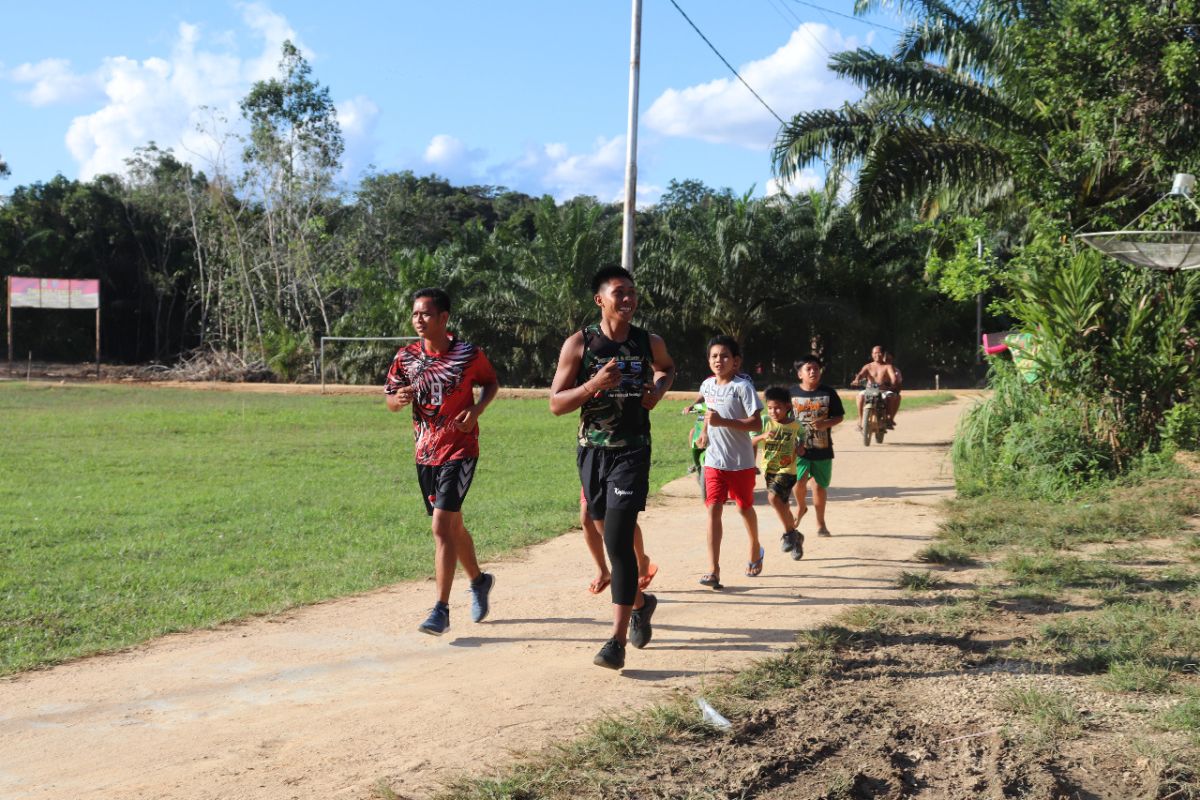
<point>131,512</point>
<point>1052,715</point>
<point>919,581</point>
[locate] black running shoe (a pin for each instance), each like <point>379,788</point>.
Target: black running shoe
<point>787,542</point>
<point>611,656</point>
<point>639,624</point>
<point>798,550</point>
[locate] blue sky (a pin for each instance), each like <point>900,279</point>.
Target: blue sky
<point>528,94</point>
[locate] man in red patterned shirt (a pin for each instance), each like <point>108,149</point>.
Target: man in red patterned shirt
<point>436,376</point>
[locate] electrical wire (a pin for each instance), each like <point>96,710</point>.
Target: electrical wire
<point>847,16</point>
<point>724,61</point>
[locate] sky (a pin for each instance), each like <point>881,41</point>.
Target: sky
<point>527,94</point>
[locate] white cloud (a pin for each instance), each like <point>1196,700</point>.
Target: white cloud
<point>553,169</point>
<point>165,99</point>
<point>53,82</point>
<point>806,181</point>
<point>358,118</point>
<point>792,79</point>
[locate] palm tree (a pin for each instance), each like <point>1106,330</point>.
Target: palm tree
<point>1066,103</point>
<point>938,122</point>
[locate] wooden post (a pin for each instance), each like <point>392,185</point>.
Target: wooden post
<point>97,338</point>
<point>8,306</point>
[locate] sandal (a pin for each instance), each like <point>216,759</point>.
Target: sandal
<point>651,571</point>
<point>754,568</point>
<point>711,579</point>
<point>599,585</point>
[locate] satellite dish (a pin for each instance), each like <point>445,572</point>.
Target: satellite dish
<point>1162,250</point>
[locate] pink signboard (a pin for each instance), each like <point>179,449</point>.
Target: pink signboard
<point>85,294</point>
<point>53,293</point>
<point>25,293</point>
<point>56,293</point>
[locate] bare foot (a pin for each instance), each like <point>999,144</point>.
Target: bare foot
<point>599,583</point>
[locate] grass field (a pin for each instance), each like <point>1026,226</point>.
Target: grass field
<point>130,512</point>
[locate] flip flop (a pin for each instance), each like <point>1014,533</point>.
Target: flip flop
<point>599,585</point>
<point>754,568</point>
<point>712,580</point>
<point>651,571</point>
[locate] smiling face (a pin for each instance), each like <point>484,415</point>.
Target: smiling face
<point>427,320</point>
<point>877,354</point>
<point>722,362</point>
<point>778,411</point>
<point>618,299</point>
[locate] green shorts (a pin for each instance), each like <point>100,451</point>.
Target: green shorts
<point>820,471</point>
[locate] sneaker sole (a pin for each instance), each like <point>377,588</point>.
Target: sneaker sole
<point>600,662</point>
<point>430,631</point>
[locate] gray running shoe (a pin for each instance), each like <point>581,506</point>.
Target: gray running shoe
<point>639,624</point>
<point>611,655</point>
<point>787,542</point>
<point>438,621</point>
<point>798,550</point>
<point>480,588</point>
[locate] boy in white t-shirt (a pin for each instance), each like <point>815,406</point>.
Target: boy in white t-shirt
<point>733,412</point>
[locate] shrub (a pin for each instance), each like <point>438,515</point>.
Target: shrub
<point>1181,426</point>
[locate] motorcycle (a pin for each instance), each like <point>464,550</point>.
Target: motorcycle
<point>874,414</point>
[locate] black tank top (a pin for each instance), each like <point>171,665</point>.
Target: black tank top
<point>615,417</point>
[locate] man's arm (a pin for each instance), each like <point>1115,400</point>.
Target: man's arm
<point>565,396</point>
<point>862,373</point>
<point>664,373</point>
<point>468,418</point>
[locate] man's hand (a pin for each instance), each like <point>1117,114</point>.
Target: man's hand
<point>402,397</point>
<point>609,377</point>
<point>467,420</point>
<point>713,419</point>
<point>702,441</point>
<point>650,396</point>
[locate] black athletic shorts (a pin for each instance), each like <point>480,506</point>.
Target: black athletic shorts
<point>616,478</point>
<point>780,483</point>
<point>446,485</point>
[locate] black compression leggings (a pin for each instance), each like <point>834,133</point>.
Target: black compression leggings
<point>619,524</point>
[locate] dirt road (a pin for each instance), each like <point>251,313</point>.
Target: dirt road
<point>331,700</point>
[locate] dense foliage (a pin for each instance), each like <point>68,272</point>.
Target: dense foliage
<point>1009,125</point>
<point>264,256</point>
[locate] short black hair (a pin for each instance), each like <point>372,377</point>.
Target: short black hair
<point>778,394</point>
<point>438,296</point>
<point>606,274</point>
<point>808,359</point>
<point>722,339</point>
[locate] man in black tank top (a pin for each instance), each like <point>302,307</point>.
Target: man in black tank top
<point>615,373</point>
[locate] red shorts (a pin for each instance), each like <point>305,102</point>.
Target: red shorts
<point>721,484</point>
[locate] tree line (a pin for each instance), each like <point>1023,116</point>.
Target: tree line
<point>264,257</point>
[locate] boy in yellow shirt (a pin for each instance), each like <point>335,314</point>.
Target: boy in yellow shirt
<point>783,441</point>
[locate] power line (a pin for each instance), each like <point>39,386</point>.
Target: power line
<point>847,16</point>
<point>799,25</point>
<point>712,47</point>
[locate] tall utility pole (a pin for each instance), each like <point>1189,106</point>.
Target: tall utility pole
<point>635,57</point>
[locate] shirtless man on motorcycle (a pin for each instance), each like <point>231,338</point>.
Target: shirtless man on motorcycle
<point>879,371</point>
